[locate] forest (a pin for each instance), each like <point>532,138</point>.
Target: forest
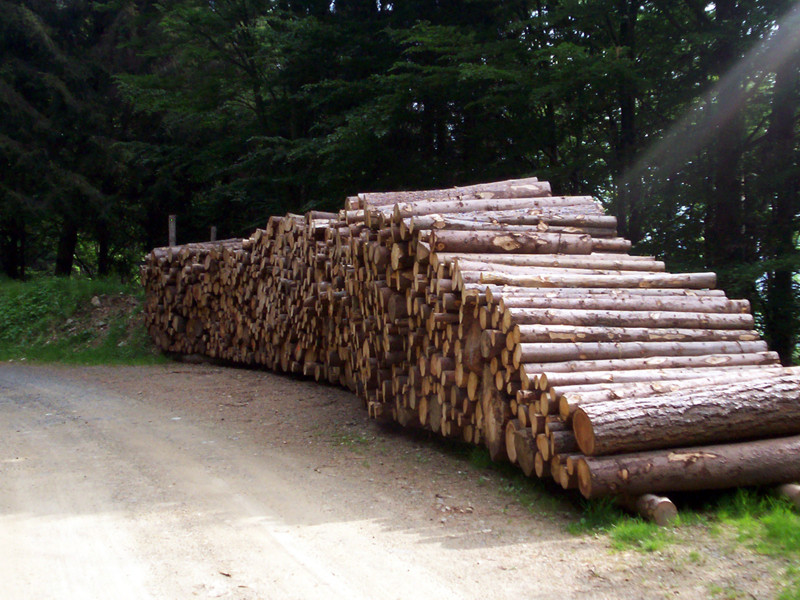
<point>681,117</point>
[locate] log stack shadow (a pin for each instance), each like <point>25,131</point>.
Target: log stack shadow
<point>503,316</point>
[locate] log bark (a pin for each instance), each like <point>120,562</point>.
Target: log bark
<point>512,242</point>
<point>536,218</point>
<point>569,351</point>
<point>719,466</point>
<point>402,210</point>
<point>571,397</point>
<point>527,334</point>
<point>570,261</point>
<point>631,302</point>
<point>624,318</point>
<point>588,280</point>
<point>502,294</point>
<point>512,188</point>
<point>636,369</point>
<point>720,413</point>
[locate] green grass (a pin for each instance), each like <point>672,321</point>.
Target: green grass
<point>768,525</point>
<point>624,531</point>
<point>758,520</point>
<point>51,319</point>
<point>640,535</point>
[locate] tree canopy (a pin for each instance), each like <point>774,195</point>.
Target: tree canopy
<point>682,117</point>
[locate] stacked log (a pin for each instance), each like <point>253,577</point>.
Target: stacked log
<point>499,315</point>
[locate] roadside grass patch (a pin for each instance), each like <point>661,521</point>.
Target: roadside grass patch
<point>754,518</point>
<point>768,525</point>
<point>53,319</point>
<point>640,535</point>
<point>624,531</point>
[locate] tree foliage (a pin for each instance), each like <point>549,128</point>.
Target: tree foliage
<point>682,117</point>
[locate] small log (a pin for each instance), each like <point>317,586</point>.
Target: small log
<point>658,509</point>
<point>790,491</point>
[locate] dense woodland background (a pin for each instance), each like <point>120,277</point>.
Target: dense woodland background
<point>681,116</point>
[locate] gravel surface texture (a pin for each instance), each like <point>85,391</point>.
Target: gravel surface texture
<point>196,481</point>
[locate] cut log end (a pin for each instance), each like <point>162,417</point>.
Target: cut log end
<point>584,434</point>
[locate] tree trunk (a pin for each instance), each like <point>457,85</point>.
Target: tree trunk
<point>65,254</point>
<point>103,249</point>
<point>782,183</point>
<point>726,244</point>
<point>627,191</point>
<point>13,236</point>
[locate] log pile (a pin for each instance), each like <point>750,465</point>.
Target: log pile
<point>500,315</point>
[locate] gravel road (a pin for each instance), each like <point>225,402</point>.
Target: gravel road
<point>193,481</point>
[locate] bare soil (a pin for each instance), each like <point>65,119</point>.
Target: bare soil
<point>197,481</point>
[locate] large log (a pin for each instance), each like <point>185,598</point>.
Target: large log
<point>526,334</point>
<point>625,318</point>
<point>632,302</point>
<point>719,413</point>
<point>582,261</point>
<point>451,223</point>
<point>536,218</point>
<point>403,210</point>
<point>636,370</point>
<point>569,398</point>
<point>504,293</point>
<point>512,242</point>
<point>582,280</point>
<point>527,187</point>
<point>719,466</point>
<point>569,351</point>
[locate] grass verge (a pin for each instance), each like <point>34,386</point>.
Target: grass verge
<point>73,320</point>
<point>758,520</point>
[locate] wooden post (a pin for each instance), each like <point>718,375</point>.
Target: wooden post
<point>213,233</point>
<point>172,230</point>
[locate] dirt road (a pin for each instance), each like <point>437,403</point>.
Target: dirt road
<point>184,481</point>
